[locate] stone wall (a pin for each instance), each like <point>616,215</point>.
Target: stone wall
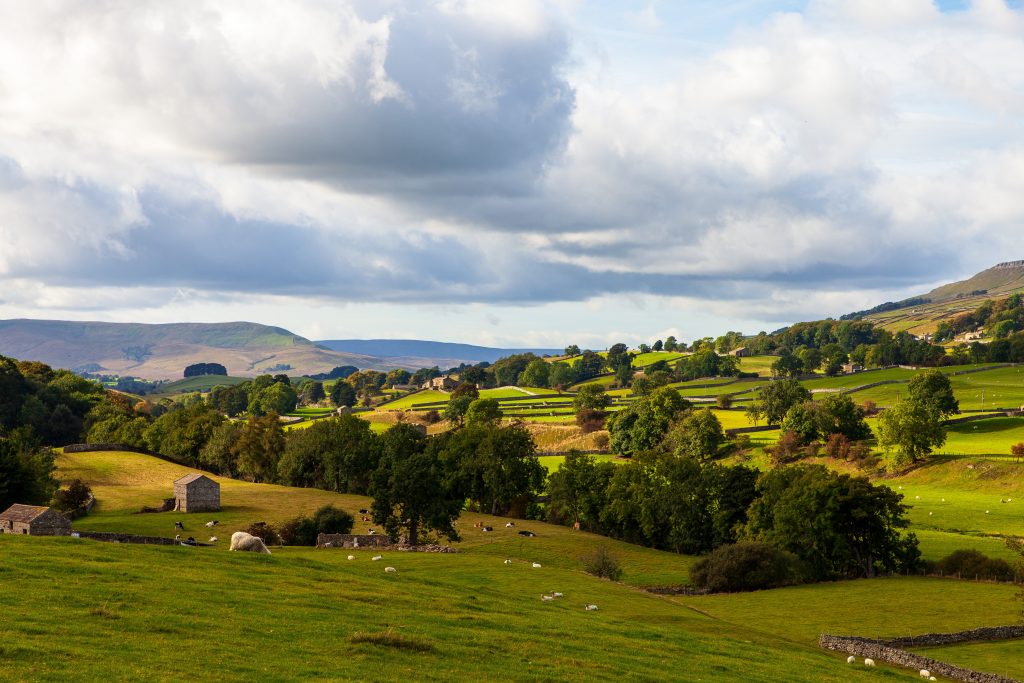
<point>891,651</point>
<point>353,541</point>
<point>112,537</point>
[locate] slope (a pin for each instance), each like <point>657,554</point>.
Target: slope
<point>426,353</point>
<point>163,351</point>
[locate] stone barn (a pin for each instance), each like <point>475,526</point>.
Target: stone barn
<point>34,520</point>
<point>196,493</point>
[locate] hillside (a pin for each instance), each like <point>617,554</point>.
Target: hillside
<point>950,300</point>
<point>163,351</point>
<point>425,354</point>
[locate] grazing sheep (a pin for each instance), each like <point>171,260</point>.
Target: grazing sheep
<point>925,673</point>
<point>351,557</point>
<point>244,542</point>
<point>372,532</point>
<point>177,537</point>
<point>212,523</point>
<point>390,570</point>
<point>528,534</point>
<point>536,565</point>
<point>362,511</point>
<point>932,678</point>
<point>510,525</point>
<point>557,595</point>
<point>869,662</point>
<point>508,561</point>
<point>377,557</point>
<point>851,659</point>
<point>213,539</point>
<point>986,512</point>
<point>929,514</point>
<point>488,528</point>
<point>546,598</point>
<point>591,608</point>
<point>179,525</point>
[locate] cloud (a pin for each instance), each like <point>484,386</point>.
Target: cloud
<point>460,152</point>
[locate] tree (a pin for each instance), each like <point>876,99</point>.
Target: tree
<point>835,414</point>
<point>493,465</point>
<point>811,358</point>
<point>398,376</point>
<point>933,390</point>
<point>698,435</point>
<point>455,410</point>
<point>572,350</point>
<point>1017,451</point>
<point>465,389</point>
<point>788,365</point>
<point>258,448</point>
<point>577,491</point>
<point>315,392</point>
<point>588,366</point>
<point>343,394</point>
<point>913,428</point>
<point>657,346</point>
<point>644,348</point>
<point>278,398</point>
<point>26,472</point>
<point>338,454</point>
<point>624,374</point>
<point>200,369</point>
<point>591,397</point>
<point>778,397</point>
<point>483,411</point>
<point>561,375</point>
<point>838,525</point>
<point>536,374</point>
<point>670,343</point>
<point>411,488</point>
<point>643,425</point>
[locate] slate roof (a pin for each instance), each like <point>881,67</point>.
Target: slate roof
<point>189,478</point>
<point>22,513</point>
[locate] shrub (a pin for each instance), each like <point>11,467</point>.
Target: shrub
<point>602,563</point>
<point>264,531</point>
<point>73,497</point>
<point>332,520</point>
<point>431,417</point>
<point>837,447</point>
<point>747,566</point>
<point>724,401</point>
<point>590,420</point>
<point>602,441</point>
<point>298,531</point>
<point>788,448</point>
<point>304,530</point>
<point>971,564</point>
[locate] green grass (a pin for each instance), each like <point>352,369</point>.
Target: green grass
<point>552,463</point>
<point>642,360</point>
<point>503,392</point>
<point>1002,657</point>
<point>427,396</point>
<point>193,384</point>
<point>762,365</point>
<point>994,436</point>
<point>175,613</point>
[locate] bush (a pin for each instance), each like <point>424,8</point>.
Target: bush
<point>973,564</point>
<point>304,530</point>
<point>431,417</point>
<point>73,497</point>
<point>789,448</point>
<point>837,447</point>
<point>602,563</point>
<point>724,401</point>
<point>264,531</point>
<point>748,566</point>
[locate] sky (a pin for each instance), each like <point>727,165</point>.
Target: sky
<point>529,173</point>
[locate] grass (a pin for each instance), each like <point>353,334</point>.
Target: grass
<point>1002,657</point>
<point>994,436</point>
<point>202,383</point>
<point>642,360</point>
<point>554,462</point>
<point>426,396</point>
<point>181,614</point>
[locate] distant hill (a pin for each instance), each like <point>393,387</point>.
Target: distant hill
<point>163,351</point>
<point>920,315</point>
<point>421,353</point>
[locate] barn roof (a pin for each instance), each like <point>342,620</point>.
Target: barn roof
<point>22,513</point>
<point>189,478</point>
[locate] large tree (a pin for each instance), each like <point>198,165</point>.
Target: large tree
<point>259,447</point>
<point>911,427</point>
<point>577,491</point>
<point>775,400</point>
<point>411,487</point>
<point>934,391</point>
<point>644,423</point>
<point>698,435</point>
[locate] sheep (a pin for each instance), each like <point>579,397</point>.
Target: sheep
<point>929,514</point>
<point>591,608</point>
<point>377,557</point>
<point>932,678</point>
<point>179,525</point>
<point>925,673</point>
<point>213,539</point>
<point>362,511</point>
<point>851,659</point>
<point>509,525</point>
<point>488,528</point>
<point>986,512</point>
<point>536,565</point>
<point>390,570</point>
<point>212,523</point>
<point>557,595</point>
<point>244,542</point>
<point>508,561</point>
<point>546,598</point>
<point>351,557</point>
<point>177,537</point>
<point>372,532</point>
<point>869,662</point>
<point>528,534</point>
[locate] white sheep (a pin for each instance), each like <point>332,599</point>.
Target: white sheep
<point>248,543</point>
<point>351,557</point>
<point>213,539</point>
<point>986,512</point>
<point>377,557</point>
<point>851,659</point>
<point>508,561</point>
<point>556,594</point>
<point>509,525</point>
<point>390,570</point>
<point>932,678</point>
<point>546,598</point>
<point>212,523</point>
<point>591,608</point>
<point>536,565</point>
<point>177,537</point>
<point>869,662</point>
<point>925,673</point>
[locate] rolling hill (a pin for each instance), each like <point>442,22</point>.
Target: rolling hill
<point>947,301</point>
<point>163,351</point>
<point>419,353</point>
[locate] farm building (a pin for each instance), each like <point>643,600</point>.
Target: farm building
<point>442,383</point>
<point>196,493</point>
<point>850,368</point>
<point>34,520</point>
<point>741,352</point>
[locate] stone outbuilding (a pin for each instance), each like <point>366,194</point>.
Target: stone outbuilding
<point>34,520</point>
<point>196,493</point>
<point>442,383</point>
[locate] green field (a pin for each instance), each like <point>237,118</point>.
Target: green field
<point>192,384</point>
<point>441,617</point>
<point>642,360</point>
<point>426,396</point>
<point>1002,658</point>
<point>553,462</point>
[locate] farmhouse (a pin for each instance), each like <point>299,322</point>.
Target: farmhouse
<point>196,493</point>
<point>34,520</point>
<point>442,383</point>
<point>850,368</point>
<point>741,352</point>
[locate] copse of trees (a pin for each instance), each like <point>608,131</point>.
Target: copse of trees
<point>200,369</point>
<point>914,426</point>
<point>643,424</point>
